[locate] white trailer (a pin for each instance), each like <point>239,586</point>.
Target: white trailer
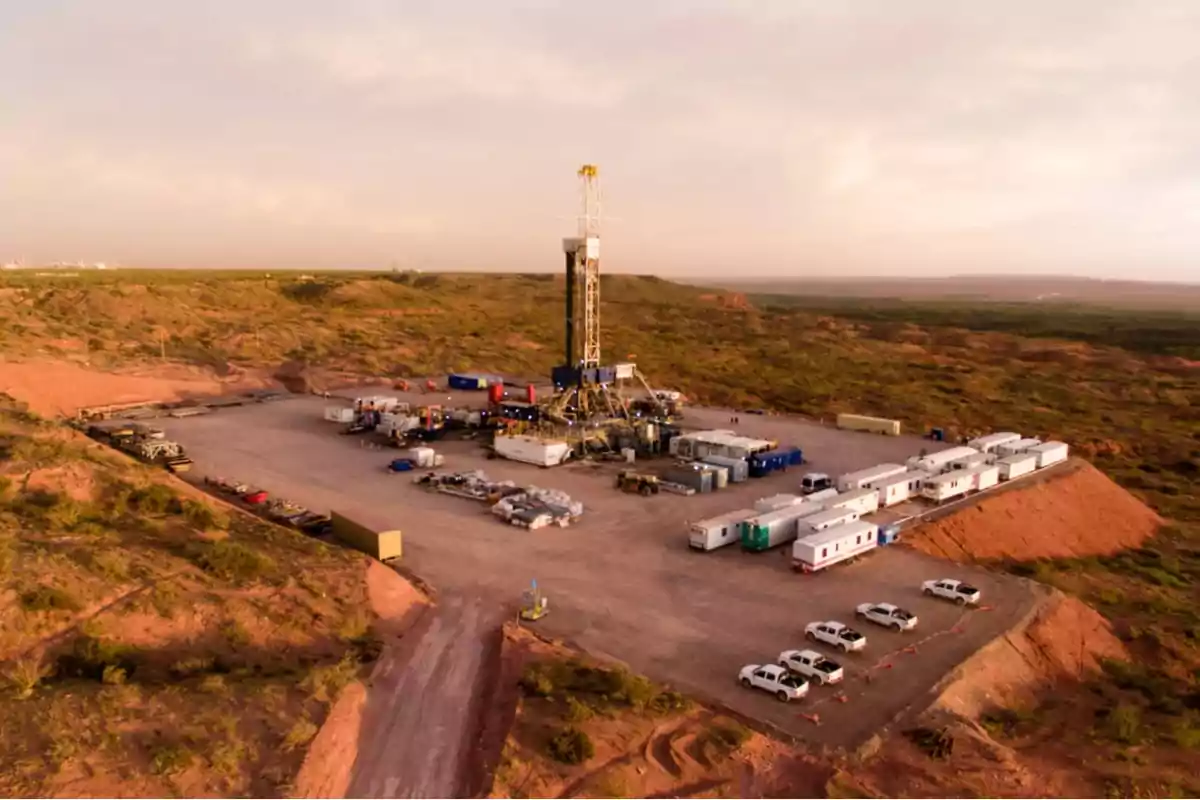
<point>1049,453</point>
<point>865,478</point>
<point>839,543</point>
<point>815,523</point>
<point>739,470</point>
<point>973,460</point>
<point>986,444</point>
<point>1019,446</point>
<point>532,450</point>
<point>948,485</point>
<point>859,422</point>
<point>709,534</point>
<point>986,476</point>
<point>821,496</point>
<point>863,501</point>
<point>934,463</point>
<point>776,501</point>
<point>899,488</point>
<point>341,414</point>
<point>765,531</point>
<point>1015,466</point>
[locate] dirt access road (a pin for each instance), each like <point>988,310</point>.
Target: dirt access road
<point>419,720</point>
<point>623,582</point>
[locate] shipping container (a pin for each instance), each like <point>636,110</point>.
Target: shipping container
<point>423,457</point>
<point>827,518</point>
<point>339,414</point>
<point>764,463</point>
<point>380,544</point>
<point>471,381</point>
<point>709,534</point>
<point>532,450</point>
<point>986,476</point>
<point>934,463</point>
<point>720,474</point>
<point>739,470</point>
<point>899,488</point>
<point>1017,465</point>
<point>773,528</point>
<point>973,460</point>
<point>775,501</point>
<point>828,547</point>
<point>863,501</point>
<point>948,485</point>
<point>1049,453</point>
<point>701,480</point>
<point>986,444</point>
<point>858,422</point>
<point>1019,446</point>
<point>866,478</point>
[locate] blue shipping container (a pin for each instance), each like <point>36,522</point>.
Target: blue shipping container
<point>471,380</point>
<point>795,456</point>
<point>762,464</point>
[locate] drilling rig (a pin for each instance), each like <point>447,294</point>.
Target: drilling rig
<point>587,392</point>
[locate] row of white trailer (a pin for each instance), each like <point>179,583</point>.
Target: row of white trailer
<point>704,445</point>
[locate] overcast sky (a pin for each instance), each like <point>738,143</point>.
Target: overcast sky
<point>777,137</point>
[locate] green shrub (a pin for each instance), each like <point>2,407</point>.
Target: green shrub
<point>577,710</point>
<point>571,746</point>
<point>232,561</point>
<point>727,735</point>
<point>155,499</point>
<point>48,598</point>
<point>1124,723</point>
<point>202,517</point>
<point>171,759</point>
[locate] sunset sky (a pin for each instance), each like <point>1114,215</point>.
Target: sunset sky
<point>778,137</point>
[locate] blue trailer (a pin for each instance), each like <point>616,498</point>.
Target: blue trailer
<point>472,381</point>
<point>795,455</point>
<point>763,464</point>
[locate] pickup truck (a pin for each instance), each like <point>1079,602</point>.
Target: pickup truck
<point>776,680</point>
<point>950,589</point>
<point>812,664</point>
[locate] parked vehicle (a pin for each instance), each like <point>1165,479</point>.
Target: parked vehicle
<point>835,634</point>
<point>815,482</point>
<point>401,465</point>
<point>950,589</point>
<point>887,615</point>
<point>812,665</point>
<point>778,681</point>
<point>631,481</point>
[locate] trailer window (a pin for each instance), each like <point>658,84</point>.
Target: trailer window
<point>824,552</point>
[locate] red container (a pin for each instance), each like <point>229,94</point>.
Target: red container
<point>531,394</point>
<point>254,498</point>
<point>495,393</point>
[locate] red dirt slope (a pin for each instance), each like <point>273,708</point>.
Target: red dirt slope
<point>1080,513</point>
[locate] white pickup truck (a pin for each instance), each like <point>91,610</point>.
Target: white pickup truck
<point>813,665</point>
<point>887,615</point>
<point>950,589</point>
<point>776,680</point>
<point>835,634</point>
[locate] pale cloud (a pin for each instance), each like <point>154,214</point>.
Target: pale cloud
<point>793,136</point>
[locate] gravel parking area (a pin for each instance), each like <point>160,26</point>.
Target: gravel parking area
<point>623,582</point>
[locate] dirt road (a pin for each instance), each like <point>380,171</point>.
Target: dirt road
<point>418,722</point>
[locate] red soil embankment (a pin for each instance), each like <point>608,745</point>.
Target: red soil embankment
<point>1078,514</point>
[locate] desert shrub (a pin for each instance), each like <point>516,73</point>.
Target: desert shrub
<point>23,676</point>
<point>727,735</point>
<point>232,561</point>
<point>323,683</point>
<point>1124,723</point>
<point>171,759</point>
<point>49,598</point>
<point>571,746</point>
<point>669,702</point>
<point>155,499</point>
<point>93,658</point>
<point>536,680</point>
<point>299,734</point>
<point>202,517</point>
<point>577,710</point>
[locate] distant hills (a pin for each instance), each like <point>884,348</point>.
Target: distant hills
<point>982,288</point>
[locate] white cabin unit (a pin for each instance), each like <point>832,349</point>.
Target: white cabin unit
<point>775,501</point>
<point>1049,453</point>
<point>773,528</point>
<point>424,457</point>
<point>815,523</point>
<point>948,485</point>
<point>862,501</point>
<point>1015,466</point>
<point>339,414</point>
<point>709,534</point>
<point>826,548</point>
<point>532,450</point>
<point>934,463</point>
<point>739,470</point>
<point>821,496</point>
<point>1019,446</point>
<point>967,462</point>
<point>986,444</point>
<point>866,478</point>
<point>986,476</point>
<point>899,488</point>
<point>720,474</point>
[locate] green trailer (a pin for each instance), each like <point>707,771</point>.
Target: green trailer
<point>380,544</point>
